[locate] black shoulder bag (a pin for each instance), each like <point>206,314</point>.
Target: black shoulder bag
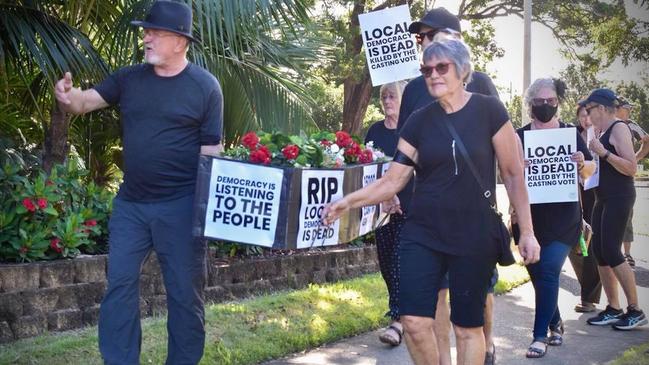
<point>505,256</point>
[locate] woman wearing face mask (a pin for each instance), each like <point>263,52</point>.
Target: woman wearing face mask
<point>556,225</point>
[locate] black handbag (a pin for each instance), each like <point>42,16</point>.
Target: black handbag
<point>505,256</point>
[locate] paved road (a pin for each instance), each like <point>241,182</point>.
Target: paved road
<point>514,314</point>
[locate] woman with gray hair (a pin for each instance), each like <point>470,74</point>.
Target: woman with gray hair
<point>557,225</point>
<point>446,229</point>
<point>384,135</point>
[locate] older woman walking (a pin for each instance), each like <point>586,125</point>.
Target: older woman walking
<point>614,198</point>
<point>557,225</point>
<point>384,135</point>
<point>446,229</point>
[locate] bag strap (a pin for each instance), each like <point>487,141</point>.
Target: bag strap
<point>458,141</point>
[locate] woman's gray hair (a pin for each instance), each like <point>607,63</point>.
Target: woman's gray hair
<point>396,87</point>
<point>536,86</point>
<point>456,52</point>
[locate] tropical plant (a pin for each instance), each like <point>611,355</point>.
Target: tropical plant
<point>257,49</point>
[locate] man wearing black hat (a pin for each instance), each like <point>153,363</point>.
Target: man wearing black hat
<point>436,25</point>
<point>171,111</point>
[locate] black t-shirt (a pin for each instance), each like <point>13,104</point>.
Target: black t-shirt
<point>387,139</point>
<point>164,122</point>
<point>448,211</point>
<point>557,221</point>
<point>416,96</point>
<point>612,184</point>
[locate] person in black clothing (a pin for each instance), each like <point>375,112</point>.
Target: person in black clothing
<point>639,135</point>
<point>446,229</point>
<point>383,134</point>
<point>614,198</point>
<point>557,225</point>
<point>439,24</point>
<point>171,111</point>
<point>586,266</point>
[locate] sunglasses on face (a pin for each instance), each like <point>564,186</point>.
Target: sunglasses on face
<point>589,108</point>
<point>441,68</point>
<point>430,35</point>
<point>541,101</point>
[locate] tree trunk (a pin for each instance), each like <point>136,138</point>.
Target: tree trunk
<point>357,98</point>
<point>56,139</point>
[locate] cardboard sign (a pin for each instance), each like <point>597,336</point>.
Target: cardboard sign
<point>368,212</point>
<point>243,202</point>
<point>319,187</point>
<point>551,176</point>
<point>390,49</point>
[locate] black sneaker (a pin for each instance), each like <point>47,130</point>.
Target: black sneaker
<point>605,317</point>
<point>630,320</point>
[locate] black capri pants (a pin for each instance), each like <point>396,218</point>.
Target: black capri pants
<point>610,216</point>
<point>421,276</point>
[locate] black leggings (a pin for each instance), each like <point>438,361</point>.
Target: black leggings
<point>609,220</point>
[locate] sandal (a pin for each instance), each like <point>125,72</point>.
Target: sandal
<point>490,357</point>
<point>535,352</point>
<point>556,335</point>
<point>388,337</point>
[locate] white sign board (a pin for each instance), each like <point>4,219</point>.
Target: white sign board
<point>551,177</point>
<point>390,49</point>
<point>367,213</point>
<point>319,187</point>
<point>243,202</point>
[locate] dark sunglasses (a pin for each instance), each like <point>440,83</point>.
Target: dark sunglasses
<point>589,108</point>
<point>541,101</point>
<point>430,35</point>
<point>441,68</point>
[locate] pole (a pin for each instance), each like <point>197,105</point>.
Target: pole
<point>527,47</point>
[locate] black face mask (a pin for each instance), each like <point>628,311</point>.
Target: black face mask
<point>544,113</point>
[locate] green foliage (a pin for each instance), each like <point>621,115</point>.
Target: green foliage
<point>514,108</point>
<point>248,331</point>
<point>636,355</point>
<point>48,216</point>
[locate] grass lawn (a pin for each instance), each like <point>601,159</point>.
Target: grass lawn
<point>638,355</point>
<point>247,331</point>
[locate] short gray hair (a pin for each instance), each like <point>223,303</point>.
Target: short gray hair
<point>536,86</point>
<point>397,87</point>
<point>454,50</point>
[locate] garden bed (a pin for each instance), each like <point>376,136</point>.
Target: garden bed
<point>65,294</point>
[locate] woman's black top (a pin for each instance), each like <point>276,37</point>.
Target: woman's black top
<point>612,184</point>
<point>386,139</point>
<point>557,221</point>
<point>448,212</point>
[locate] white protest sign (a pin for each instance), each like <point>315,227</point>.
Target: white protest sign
<point>243,202</point>
<point>551,176</point>
<point>319,187</point>
<point>390,49</point>
<point>367,213</point>
<point>593,180</point>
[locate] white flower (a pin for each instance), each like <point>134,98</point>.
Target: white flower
<point>334,148</point>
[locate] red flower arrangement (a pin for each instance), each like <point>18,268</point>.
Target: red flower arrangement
<point>323,149</point>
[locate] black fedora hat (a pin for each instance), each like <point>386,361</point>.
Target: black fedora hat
<point>171,16</point>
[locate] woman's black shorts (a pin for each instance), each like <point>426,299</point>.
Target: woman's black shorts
<point>422,272</point>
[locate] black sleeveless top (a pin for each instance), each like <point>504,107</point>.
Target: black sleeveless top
<point>612,184</point>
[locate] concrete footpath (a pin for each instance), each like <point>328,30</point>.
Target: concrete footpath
<point>514,317</point>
